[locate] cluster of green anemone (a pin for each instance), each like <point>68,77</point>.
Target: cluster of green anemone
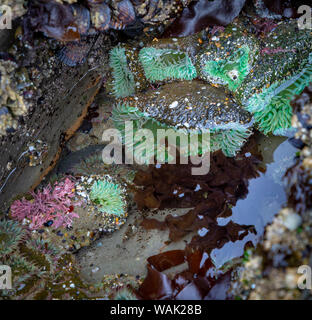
<point>109,196</point>
<point>261,75</point>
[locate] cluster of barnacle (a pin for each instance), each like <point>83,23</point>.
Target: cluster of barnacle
<point>302,118</point>
<point>17,7</point>
<point>262,82</point>
<point>271,271</point>
<point>298,177</point>
<point>12,104</point>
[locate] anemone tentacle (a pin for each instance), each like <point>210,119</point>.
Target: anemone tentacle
<point>11,235</point>
<point>162,64</point>
<point>231,71</point>
<point>271,107</point>
<point>125,294</point>
<point>123,83</point>
<point>109,197</point>
<point>228,140</point>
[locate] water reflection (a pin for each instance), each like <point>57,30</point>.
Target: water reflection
<point>235,201</point>
<point>265,198</point>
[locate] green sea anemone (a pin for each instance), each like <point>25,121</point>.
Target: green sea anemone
<point>124,112</point>
<point>109,197</point>
<point>271,107</point>
<point>125,294</point>
<point>123,83</point>
<point>11,235</point>
<point>162,64</point>
<point>42,253</point>
<point>229,56</point>
<point>275,117</point>
<point>229,140</point>
<point>231,71</point>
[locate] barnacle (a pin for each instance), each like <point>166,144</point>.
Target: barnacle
<point>162,64</point>
<point>123,82</point>
<point>12,104</point>
<point>109,196</point>
<point>11,235</point>
<point>231,71</point>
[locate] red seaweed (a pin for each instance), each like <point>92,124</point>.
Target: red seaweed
<point>166,260</point>
<point>212,196</point>
<point>203,13</point>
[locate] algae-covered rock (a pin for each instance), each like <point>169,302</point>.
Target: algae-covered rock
<point>229,56</point>
<point>102,208</point>
<point>283,69</point>
<point>40,269</point>
<point>189,109</point>
<point>193,105</point>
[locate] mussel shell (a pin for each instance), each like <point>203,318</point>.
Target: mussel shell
<point>73,53</point>
<point>82,18</point>
<point>4,110</point>
<point>125,15</point>
<point>100,16</point>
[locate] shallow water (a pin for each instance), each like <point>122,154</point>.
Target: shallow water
<point>266,196</point>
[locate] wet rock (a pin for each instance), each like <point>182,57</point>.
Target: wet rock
<point>213,108</point>
<point>12,104</point>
